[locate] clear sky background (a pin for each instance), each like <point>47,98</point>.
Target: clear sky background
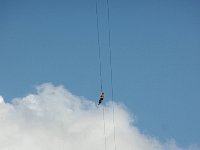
<point>156,49</point>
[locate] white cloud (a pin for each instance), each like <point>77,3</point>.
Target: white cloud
<point>55,119</point>
<point>1,100</point>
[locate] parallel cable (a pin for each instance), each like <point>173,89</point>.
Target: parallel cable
<point>111,70</point>
<point>99,47</point>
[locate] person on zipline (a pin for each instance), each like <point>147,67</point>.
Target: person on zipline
<point>101,98</point>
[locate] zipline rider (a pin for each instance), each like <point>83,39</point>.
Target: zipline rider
<point>101,98</point>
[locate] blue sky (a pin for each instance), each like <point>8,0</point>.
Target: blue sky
<point>155,45</point>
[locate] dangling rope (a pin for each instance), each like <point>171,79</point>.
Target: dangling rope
<point>111,70</point>
<point>100,71</point>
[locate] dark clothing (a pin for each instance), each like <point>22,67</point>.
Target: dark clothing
<point>100,100</point>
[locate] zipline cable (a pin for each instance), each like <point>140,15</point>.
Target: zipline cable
<point>104,129</point>
<point>100,71</point>
<point>99,47</point>
<point>111,70</point>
